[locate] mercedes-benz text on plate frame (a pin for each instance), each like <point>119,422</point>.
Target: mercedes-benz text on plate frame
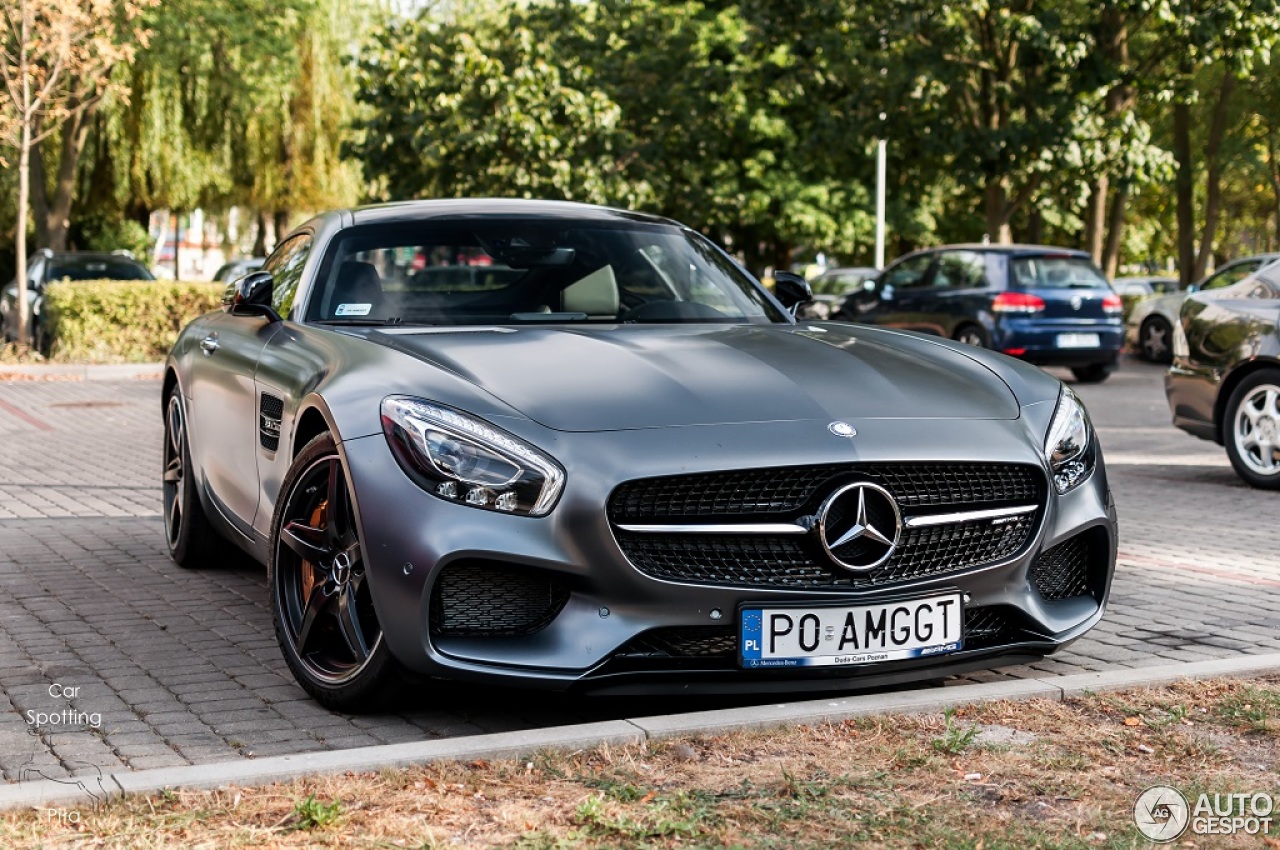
<point>819,637</point>
<point>561,446</point>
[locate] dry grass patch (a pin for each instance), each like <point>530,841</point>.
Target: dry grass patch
<point>1000,775</point>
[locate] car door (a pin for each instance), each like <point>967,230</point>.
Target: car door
<point>957,293</point>
<point>222,412</point>
<point>895,300</point>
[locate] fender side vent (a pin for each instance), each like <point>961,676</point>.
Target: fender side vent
<point>270,412</point>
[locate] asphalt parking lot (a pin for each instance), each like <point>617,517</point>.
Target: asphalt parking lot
<point>112,657</point>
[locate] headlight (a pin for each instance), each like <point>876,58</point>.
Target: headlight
<point>1069,447</point>
<point>461,458</point>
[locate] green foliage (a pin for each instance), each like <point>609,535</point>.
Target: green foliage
<point>311,814</point>
<point>123,321</point>
<point>956,738</point>
<point>99,232</point>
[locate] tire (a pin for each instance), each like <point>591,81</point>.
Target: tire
<point>192,540</point>
<point>1249,429</point>
<point>971,334</point>
<point>1094,373</point>
<point>41,342</point>
<point>324,617</point>
<point>1155,340</point>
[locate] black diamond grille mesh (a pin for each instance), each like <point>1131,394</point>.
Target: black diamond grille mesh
<point>1063,571</point>
<point>478,599</point>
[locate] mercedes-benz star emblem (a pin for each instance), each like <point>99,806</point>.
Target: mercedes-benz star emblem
<point>842,429</point>
<point>859,525</point>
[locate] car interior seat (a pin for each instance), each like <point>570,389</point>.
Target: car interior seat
<point>596,295</point>
<point>358,292</point>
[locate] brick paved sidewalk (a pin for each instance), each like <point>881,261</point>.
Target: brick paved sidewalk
<point>174,667</point>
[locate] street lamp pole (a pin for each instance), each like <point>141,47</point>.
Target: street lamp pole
<point>880,180</point>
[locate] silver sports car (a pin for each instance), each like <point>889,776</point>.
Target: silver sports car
<point>559,445</point>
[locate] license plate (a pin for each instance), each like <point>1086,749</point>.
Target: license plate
<point>863,634</point>
<point>1079,341</point>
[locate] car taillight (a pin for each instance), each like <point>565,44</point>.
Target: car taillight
<point>1017,302</point>
<point>1113,305</point>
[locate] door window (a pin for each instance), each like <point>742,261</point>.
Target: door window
<point>285,265</point>
<point>1232,274</point>
<point>908,274</point>
<point>960,270</point>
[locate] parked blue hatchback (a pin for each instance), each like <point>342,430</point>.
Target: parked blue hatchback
<point>1048,306</point>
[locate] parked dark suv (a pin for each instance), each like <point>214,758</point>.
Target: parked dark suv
<point>1048,306</point>
<point>47,267</point>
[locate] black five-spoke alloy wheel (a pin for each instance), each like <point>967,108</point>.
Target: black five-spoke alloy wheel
<point>324,615</point>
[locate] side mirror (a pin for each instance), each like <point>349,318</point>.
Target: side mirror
<point>251,296</point>
<point>792,290</point>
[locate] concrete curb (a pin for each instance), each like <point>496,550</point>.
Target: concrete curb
<point>86,791</point>
<point>80,371</point>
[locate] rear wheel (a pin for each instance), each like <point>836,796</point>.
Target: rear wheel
<point>1154,340</point>
<point>324,616</point>
<point>193,543</point>
<point>1252,429</point>
<point>1094,373</point>
<point>972,335</point>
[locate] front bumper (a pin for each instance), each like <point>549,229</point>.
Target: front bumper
<point>602,635</point>
<point>1192,393</point>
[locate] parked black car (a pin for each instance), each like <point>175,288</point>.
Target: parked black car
<point>238,268</point>
<point>1048,306</point>
<point>831,288</point>
<point>1224,384</point>
<point>47,267</point>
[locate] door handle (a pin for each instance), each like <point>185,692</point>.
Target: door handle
<point>209,344</point>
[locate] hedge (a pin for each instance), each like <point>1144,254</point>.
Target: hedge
<point>111,321</point>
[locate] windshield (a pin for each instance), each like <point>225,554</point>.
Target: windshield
<point>104,268</point>
<point>1056,273</point>
<point>512,270</point>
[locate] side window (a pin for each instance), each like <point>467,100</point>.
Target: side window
<point>960,270</point>
<point>285,265</point>
<point>908,274</point>
<point>1230,275</point>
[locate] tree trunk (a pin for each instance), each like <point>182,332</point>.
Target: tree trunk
<point>1095,222</point>
<point>1273,171</point>
<point>998,211</point>
<point>1213,189</point>
<point>177,244</point>
<point>74,132</point>
<point>1115,229</point>
<point>281,222</point>
<point>260,240</point>
<point>20,237</point>
<point>1184,192</point>
<point>39,198</point>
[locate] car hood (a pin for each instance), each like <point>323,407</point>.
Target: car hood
<point>609,378</point>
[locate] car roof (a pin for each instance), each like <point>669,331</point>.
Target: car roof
<point>1019,248</point>
<point>91,255</point>
<point>849,270</point>
<point>409,211</point>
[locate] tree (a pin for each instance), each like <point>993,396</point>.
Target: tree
<point>47,49</point>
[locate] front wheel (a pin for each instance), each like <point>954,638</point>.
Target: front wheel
<point>324,617</point>
<point>1154,340</point>
<point>1094,373</point>
<point>1250,428</point>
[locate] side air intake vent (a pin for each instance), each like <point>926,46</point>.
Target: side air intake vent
<point>270,411</point>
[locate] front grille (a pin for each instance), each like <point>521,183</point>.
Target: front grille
<point>1063,571</point>
<point>792,562</point>
<point>778,491</point>
<point>795,495</point>
<point>983,627</point>
<point>485,599</point>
